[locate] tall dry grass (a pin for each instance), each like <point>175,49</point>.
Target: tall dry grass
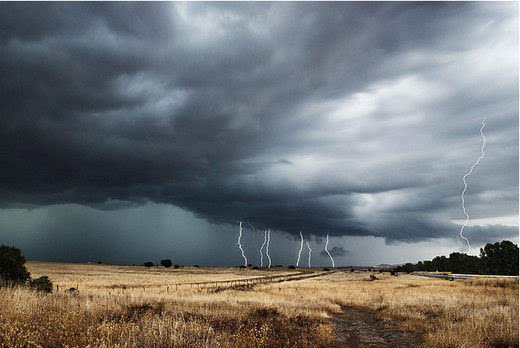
<point>458,314</point>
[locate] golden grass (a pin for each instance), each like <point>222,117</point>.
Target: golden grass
<point>460,313</point>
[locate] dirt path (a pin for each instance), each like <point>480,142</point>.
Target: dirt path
<point>357,327</point>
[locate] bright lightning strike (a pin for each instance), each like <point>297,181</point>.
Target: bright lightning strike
<point>267,247</point>
<point>326,245</point>
<point>482,154</point>
<point>240,245</point>
<point>300,251</point>
<point>310,251</point>
<point>261,248</point>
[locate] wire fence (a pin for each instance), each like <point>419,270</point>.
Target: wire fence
<point>218,284</point>
<point>248,281</point>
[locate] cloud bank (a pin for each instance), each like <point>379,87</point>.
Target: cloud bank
<point>353,119</point>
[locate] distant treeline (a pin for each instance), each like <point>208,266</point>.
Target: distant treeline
<point>497,259</point>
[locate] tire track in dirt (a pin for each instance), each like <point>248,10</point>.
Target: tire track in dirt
<point>357,327</point>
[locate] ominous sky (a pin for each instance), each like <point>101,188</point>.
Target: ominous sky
<point>134,131</point>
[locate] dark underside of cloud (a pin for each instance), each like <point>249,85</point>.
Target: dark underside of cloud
<point>339,118</point>
<point>335,251</point>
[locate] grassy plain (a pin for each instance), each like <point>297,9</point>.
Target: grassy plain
<point>129,306</point>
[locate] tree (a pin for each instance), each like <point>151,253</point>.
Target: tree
<point>148,264</point>
<point>407,267</point>
<point>166,263</point>
<point>500,258</point>
<point>463,263</point>
<point>42,284</point>
<point>12,267</point>
<point>495,258</point>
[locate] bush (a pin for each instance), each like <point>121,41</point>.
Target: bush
<point>326,269</point>
<point>166,263</point>
<point>148,264</point>
<point>12,267</point>
<point>42,284</point>
<point>176,266</point>
<point>291,267</point>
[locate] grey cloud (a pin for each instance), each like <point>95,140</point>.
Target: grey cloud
<point>491,233</point>
<point>335,251</point>
<point>339,118</point>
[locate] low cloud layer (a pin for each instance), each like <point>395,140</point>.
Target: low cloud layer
<point>335,251</point>
<point>353,119</point>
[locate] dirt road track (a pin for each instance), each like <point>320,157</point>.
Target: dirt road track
<point>357,327</point>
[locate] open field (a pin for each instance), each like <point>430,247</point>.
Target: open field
<point>337,309</point>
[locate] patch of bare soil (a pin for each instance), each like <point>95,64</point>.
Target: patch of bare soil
<point>357,327</point>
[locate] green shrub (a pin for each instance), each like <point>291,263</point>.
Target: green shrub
<point>166,263</point>
<point>12,269</point>
<point>42,284</point>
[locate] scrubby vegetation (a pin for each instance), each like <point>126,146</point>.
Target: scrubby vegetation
<point>12,266</point>
<point>14,273</point>
<point>129,306</point>
<point>42,284</point>
<point>495,259</point>
<point>167,263</point>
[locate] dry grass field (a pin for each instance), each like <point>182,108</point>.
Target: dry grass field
<point>129,307</point>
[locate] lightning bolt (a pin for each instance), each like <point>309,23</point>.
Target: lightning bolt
<point>267,247</point>
<point>261,248</point>
<point>300,251</point>
<point>482,154</point>
<point>310,251</point>
<point>326,245</point>
<point>240,245</point>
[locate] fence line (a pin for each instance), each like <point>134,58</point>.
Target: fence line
<point>251,281</point>
<point>233,282</point>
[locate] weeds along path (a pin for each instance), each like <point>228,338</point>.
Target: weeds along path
<point>358,327</point>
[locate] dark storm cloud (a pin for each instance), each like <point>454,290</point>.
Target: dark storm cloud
<point>335,251</point>
<point>344,118</point>
<point>492,233</point>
